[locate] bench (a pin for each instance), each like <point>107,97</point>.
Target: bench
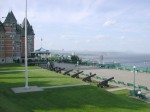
<point>97,77</point>
<point>142,87</point>
<point>104,78</point>
<point>87,75</point>
<point>121,82</point>
<point>130,85</point>
<point>135,93</point>
<point>113,81</point>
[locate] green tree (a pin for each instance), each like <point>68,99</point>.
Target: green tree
<point>75,58</point>
<point>53,58</point>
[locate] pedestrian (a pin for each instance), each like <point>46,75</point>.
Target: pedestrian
<point>139,93</point>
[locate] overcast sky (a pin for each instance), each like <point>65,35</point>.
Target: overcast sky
<point>93,25</point>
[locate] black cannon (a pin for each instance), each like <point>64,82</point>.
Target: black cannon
<point>76,74</point>
<point>50,66</point>
<point>104,83</point>
<point>88,78</point>
<point>59,69</point>
<point>67,72</point>
<point>43,66</point>
<point>54,68</point>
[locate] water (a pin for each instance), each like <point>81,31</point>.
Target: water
<point>125,59</point>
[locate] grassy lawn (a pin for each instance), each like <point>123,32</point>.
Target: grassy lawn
<point>70,99</point>
<point>15,67</point>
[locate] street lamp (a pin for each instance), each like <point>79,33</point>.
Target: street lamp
<point>134,78</point>
<point>78,66</point>
<point>145,66</point>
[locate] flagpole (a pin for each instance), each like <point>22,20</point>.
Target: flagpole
<point>26,60</point>
<point>41,42</point>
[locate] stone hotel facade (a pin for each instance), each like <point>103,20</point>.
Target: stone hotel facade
<point>12,39</point>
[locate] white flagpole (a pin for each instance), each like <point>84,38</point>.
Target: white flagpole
<point>41,42</point>
<point>26,60</point>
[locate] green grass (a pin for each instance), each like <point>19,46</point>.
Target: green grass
<point>70,99</point>
<point>15,67</point>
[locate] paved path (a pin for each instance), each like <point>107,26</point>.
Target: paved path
<point>36,88</point>
<point>18,70</point>
<point>73,85</point>
<point>116,89</point>
<point>123,75</point>
<point>12,70</point>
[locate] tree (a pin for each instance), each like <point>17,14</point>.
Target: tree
<point>75,58</point>
<point>53,58</point>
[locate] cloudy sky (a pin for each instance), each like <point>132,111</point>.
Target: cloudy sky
<point>93,25</point>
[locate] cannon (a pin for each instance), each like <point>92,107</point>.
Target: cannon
<point>54,68</point>
<point>76,74</point>
<point>67,72</point>
<point>59,69</point>
<point>88,78</point>
<point>104,83</point>
<point>50,66</point>
<point>43,66</point>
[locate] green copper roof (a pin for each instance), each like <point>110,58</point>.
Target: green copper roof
<point>30,30</point>
<point>20,30</point>
<point>10,18</point>
<point>1,27</point>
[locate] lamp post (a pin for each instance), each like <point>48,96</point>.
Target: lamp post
<point>145,66</point>
<point>78,66</point>
<point>134,78</point>
<point>62,56</point>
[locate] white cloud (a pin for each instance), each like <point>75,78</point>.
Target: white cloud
<point>100,37</point>
<point>122,37</point>
<point>87,21</point>
<point>108,23</point>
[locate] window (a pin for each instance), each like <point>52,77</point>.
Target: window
<point>2,42</point>
<point>2,48</point>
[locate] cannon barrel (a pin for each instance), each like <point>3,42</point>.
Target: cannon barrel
<point>104,83</point>
<point>55,68</point>
<point>67,72</point>
<point>109,79</point>
<point>59,70</point>
<point>88,78</point>
<point>76,74</point>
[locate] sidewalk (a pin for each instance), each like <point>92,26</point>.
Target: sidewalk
<point>17,70</point>
<point>116,89</point>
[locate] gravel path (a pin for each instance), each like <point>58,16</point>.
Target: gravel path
<point>123,75</point>
<point>119,75</point>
